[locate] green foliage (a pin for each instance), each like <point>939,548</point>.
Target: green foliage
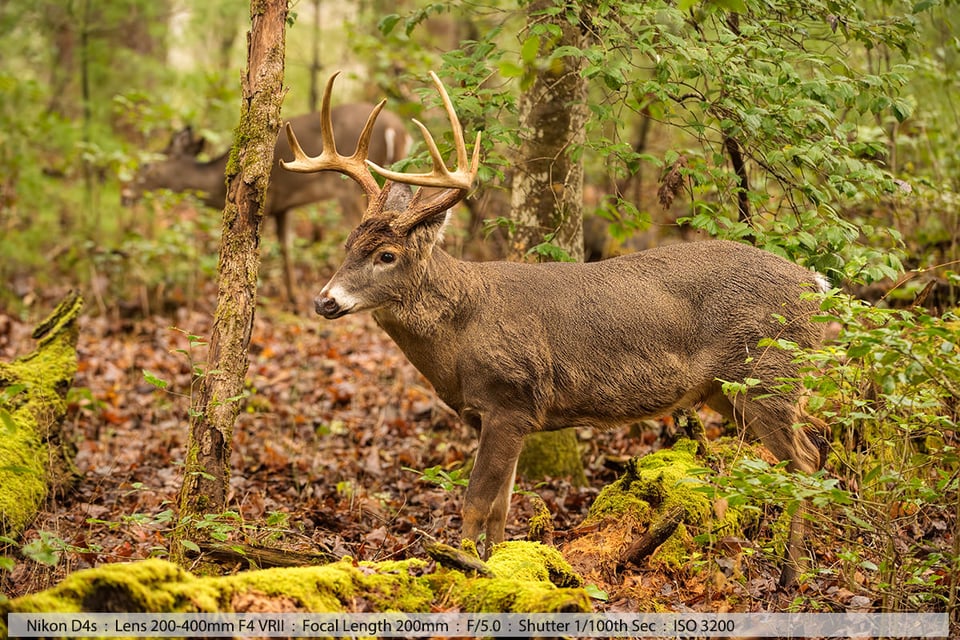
<point>842,111</point>
<point>814,96</point>
<point>780,82</point>
<point>446,480</point>
<point>888,386</point>
<point>47,548</point>
<point>549,251</point>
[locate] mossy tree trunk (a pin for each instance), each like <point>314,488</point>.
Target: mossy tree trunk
<point>216,403</point>
<point>547,194</point>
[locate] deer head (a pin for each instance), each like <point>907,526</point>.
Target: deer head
<point>383,251</point>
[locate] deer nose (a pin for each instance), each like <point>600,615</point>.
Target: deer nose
<point>327,307</point>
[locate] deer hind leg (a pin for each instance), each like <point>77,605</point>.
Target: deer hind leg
<point>792,435</point>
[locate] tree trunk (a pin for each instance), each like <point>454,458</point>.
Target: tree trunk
<point>547,200</point>
<point>547,193</point>
<point>215,405</point>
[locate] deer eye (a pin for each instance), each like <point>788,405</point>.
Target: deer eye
<point>388,257</point>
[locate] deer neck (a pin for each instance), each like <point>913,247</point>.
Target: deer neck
<point>211,181</point>
<point>446,295</point>
<point>429,326</point>
<point>192,175</point>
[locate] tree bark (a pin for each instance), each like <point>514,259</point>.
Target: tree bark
<point>216,403</point>
<point>547,192</point>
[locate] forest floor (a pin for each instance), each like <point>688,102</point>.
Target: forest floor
<point>328,457</point>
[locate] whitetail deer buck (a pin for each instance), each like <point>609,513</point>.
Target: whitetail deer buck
<point>180,171</point>
<point>521,348</point>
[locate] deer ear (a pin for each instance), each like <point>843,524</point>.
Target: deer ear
<point>185,143</point>
<point>434,226</point>
<point>412,217</point>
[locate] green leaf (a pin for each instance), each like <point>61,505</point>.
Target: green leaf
<point>901,109</point>
<point>387,23</point>
<point>9,424</point>
<point>596,592</point>
<point>9,392</point>
<point>190,545</point>
<point>510,69</point>
<point>551,252</point>
<point>41,550</point>
<point>530,49</point>
<point>154,380</point>
<point>17,469</point>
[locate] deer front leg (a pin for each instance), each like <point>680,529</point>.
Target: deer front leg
<point>487,498</point>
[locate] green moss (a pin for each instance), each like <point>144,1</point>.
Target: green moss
<point>503,595</point>
<point>469,546</point>
<point>674,554</point>
<point>532,561</point>
<point>552,454</point>
<point>389,586</point>
<point>654,484</point>
<point>151,585</point>
<point>160,586</point>
<point>32,453</point>
<point>656,481</point>
<point>22,473</point>
<point>541,522</point>
<point>529,577</point>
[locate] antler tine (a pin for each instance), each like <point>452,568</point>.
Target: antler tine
<point>462,178</point>
<point>329,159</point>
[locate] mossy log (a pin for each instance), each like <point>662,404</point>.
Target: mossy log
<point>526,577</point>
<point>652,513</point>
<point>36,457</point>
<point>246,555</point>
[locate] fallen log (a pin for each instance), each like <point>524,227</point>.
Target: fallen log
<point>524,577</point>
<point>36,457</point>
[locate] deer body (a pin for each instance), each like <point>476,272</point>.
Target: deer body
<point>520,348</point>
<point>180,171</point>
<point>599,344</point>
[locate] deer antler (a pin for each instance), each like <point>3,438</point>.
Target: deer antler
<point>441,177</point>
<point>329,159</point>
<point>455,184</point>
